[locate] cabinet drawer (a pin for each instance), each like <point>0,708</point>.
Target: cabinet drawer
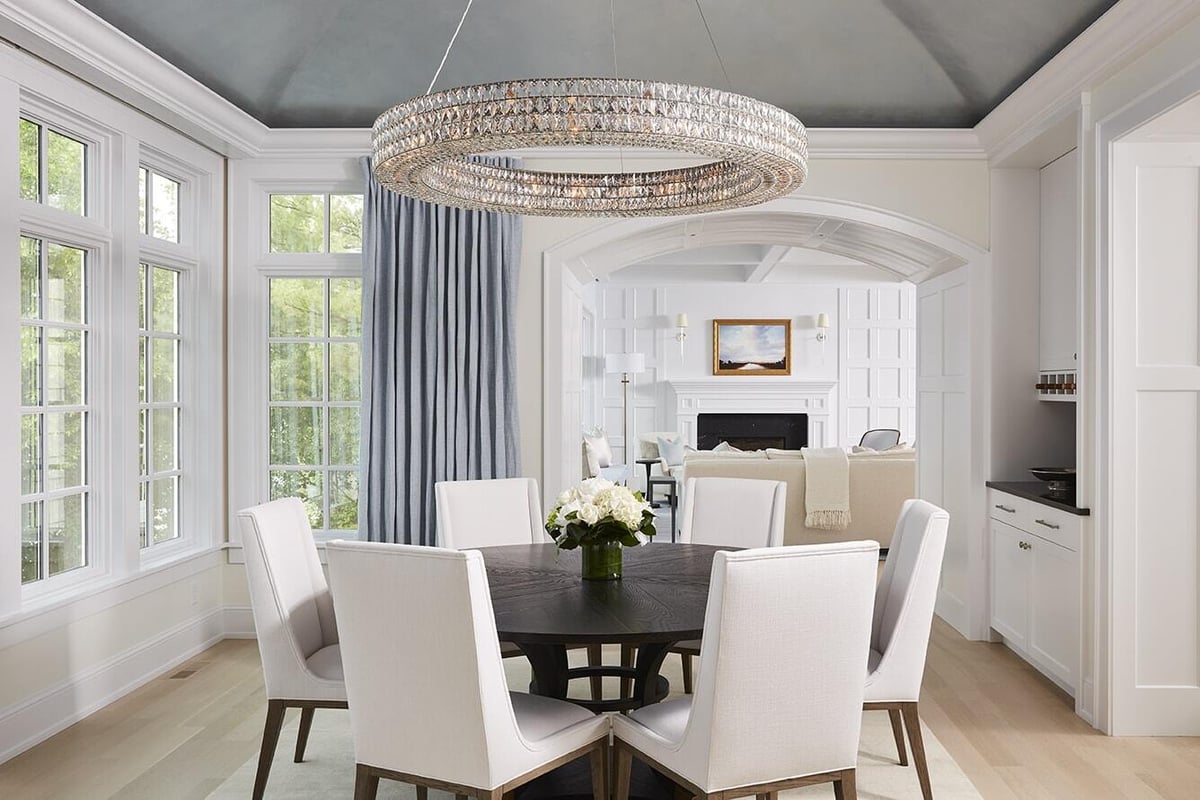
<point>1051,524</point>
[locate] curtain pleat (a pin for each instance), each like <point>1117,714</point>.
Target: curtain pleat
<point>439,355</point>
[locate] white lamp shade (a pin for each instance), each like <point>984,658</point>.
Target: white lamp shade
<point>822,320</point>
<point>625,362</point>
<point>681,321</point>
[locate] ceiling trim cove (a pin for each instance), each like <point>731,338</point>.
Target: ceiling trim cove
<point>1122,34</point>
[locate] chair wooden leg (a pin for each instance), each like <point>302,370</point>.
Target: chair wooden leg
<point>687,673</point>
<point>275,712</point>
<point>898,735</point>
<point>845,788</point>
<point>422,793</point>
<point>626,661</point>
<point>912,722</point>
<point>598,759</point>
<point>622,770</point>
<point>366,783</point>
<point>595,659</point>
<point>306,720</point>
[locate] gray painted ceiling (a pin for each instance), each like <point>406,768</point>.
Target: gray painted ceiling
<point>833,63</point>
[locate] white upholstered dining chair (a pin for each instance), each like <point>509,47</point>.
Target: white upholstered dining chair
<point>485,513</point>
<point>293,620</point>
<point>904,602</point>
<point>758,723</point>
<point>734,512</point>
<point>489,513</point>
<point>429,704</point>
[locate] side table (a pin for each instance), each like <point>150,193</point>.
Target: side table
<point>672,495</point>
<point>649,463</point>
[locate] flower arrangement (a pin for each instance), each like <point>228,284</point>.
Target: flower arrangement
<point>598,511</point>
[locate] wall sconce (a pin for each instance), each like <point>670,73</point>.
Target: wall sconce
<point>681,326</point>
<point>822,327</point>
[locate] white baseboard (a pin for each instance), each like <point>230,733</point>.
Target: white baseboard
<point>954,611</point>
<point>31,721</point>
<point>239,622</point>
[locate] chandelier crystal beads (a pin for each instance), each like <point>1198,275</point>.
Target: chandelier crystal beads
<point>423,147</point>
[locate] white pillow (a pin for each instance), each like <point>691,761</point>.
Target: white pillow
<point>671,451</point>
<point>726,447</point>
<point>599,453</point>
<point>648,442</point>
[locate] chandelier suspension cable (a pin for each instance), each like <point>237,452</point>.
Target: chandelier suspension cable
<point>713,42</point>
<point>449,45</point>
<point>612,26</point>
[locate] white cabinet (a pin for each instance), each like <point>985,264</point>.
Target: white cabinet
<point>1035,584</point>
<point>1059,299</point>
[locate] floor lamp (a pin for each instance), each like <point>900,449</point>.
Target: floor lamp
<point>627,364</point>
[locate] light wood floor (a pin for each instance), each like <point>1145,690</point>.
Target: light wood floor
<point>1012,732</point>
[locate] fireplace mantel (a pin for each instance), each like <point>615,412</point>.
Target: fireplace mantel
<point>732,395</point>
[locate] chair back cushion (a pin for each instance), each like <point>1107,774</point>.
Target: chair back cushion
<point>735,512</point>
<point>474,514</point>
<point>422,661</point>
<point>904,601</point>
<point>786,636</point>
<point>289,596</point>
<point>880,438</point>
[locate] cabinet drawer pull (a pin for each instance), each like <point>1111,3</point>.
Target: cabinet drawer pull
<point>1025,545</point>
<point>1050,525</point>
<point>1006,509</point>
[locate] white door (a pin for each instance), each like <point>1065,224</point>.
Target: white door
<point>1154,430</point>
<point>944,441</point>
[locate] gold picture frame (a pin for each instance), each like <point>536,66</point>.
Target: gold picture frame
<point>752,346</point>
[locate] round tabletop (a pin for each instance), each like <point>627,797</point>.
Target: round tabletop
<point>539,597</point>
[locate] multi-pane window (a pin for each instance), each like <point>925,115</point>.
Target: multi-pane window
<point>316,223</point>
<point>315,330</point>
<point>158,205</point>
<point>54,408</point>
<point>159,408</point>
<point>53,167</point>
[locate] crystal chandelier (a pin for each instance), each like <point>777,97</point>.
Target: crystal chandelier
<point>424,146</point>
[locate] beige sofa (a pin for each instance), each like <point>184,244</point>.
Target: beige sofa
<point>879,485</point>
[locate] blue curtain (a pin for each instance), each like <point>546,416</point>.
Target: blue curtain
<point>439,355</point>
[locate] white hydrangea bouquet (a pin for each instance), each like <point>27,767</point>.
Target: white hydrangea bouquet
<point>600,517</point>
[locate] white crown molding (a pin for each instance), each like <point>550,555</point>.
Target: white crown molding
<point>1122,34</point>
<point>316,143</point>
<point>77,41</point>
<point>895,143</point>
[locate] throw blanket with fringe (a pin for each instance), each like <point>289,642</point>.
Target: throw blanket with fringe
<point>826,488</point>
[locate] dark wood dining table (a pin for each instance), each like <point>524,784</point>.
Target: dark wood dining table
<point>543,606</point>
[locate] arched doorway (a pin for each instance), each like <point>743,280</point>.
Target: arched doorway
<point>952,335</point>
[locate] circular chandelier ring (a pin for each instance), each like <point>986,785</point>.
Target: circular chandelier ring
<point>425,147</point>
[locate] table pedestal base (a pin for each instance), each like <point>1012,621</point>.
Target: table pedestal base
<point>551,675</point>
<point>574,782</point>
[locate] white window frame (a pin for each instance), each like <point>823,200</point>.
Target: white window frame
<point>252,265</point>
<point>118,138</point>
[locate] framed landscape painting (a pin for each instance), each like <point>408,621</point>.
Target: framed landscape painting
<point>752,347</point>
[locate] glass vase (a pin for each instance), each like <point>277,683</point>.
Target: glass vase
<point>602,561</point>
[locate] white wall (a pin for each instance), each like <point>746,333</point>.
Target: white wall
<point>640,318</point>
<point>878,357</point>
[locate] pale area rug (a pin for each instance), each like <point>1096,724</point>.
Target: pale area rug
<point>328,769</point>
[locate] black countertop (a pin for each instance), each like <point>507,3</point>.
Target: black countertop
<point>1036,491</point>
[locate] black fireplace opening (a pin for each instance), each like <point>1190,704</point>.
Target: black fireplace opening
<point>752,431</point>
